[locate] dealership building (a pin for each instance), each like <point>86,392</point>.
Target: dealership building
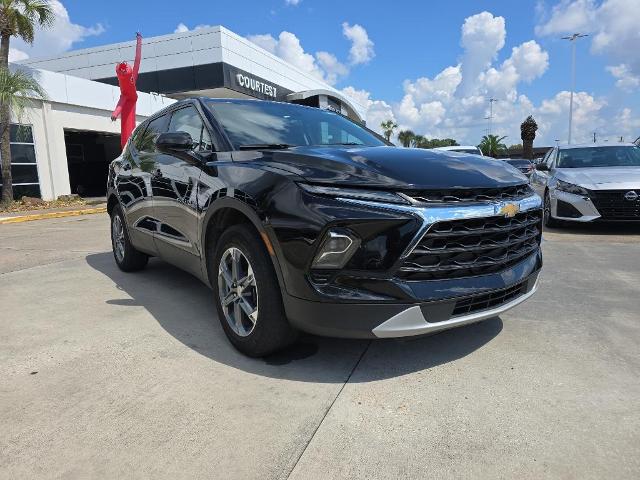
<point>64,144</point>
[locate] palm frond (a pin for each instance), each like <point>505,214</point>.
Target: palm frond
<point>20,17</point>
<point>18,89</point>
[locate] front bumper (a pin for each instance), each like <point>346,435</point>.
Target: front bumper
<point>394,301</point>
<point>570,207</point>
<point>393,320</point>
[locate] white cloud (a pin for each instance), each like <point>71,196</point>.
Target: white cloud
<point>624,78</point>
<point>288,47</point>
<point>333,68</point>
<point>375,111</point>
<point>454,103</point>
<point>483,37</point>
<point>16,55</point>
<point>323,65</point>
<point>569,16</point>
<point>612,24</point>
<point>529,60</point>
<point>361,50</point>
<point>292,2</point>
<point>450,105</point>
<point>182,28</point>
<point>62,35</point>
<point>265,41</point>
<point>442,87</point>
<point>553,115</point>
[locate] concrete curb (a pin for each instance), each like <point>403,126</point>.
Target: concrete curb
<point>44,216</point>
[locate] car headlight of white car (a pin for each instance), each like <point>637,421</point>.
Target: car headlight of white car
<point>571,188</point>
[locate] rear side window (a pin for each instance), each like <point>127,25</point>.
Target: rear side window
<point>146,141</point>
<point>188,120</point>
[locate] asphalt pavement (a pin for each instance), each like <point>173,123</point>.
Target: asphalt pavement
<point>110,375</point>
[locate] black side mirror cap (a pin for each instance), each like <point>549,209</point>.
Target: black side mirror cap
<point>542,167</point>
<point>174,142</point>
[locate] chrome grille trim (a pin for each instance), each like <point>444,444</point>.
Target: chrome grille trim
<point>429,215</point>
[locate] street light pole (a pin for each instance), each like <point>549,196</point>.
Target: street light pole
<point>572,39</point>
<point>490,117</point>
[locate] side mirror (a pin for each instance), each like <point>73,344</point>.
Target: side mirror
<point>543,167</point>
<point>174,142</point>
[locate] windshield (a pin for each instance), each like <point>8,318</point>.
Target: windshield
<point>267,123</point>
<point>618,156</point>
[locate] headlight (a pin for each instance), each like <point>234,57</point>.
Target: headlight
<point>571,188</point>
<point>354,193</point>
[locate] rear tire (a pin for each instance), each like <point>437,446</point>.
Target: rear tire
<point>549,221</point>
<point>247,293</point>
<point>126,256</point>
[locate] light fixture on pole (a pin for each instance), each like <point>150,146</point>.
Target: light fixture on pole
<point>572,39</point>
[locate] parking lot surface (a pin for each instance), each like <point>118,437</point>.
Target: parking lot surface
<point>109,375</point>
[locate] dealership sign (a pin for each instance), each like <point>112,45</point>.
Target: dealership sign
<point>255,85</point>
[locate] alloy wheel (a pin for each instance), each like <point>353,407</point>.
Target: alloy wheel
<point>117,235</point>
<point>238,291</point>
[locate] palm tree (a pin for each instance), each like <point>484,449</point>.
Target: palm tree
<point>387,128</point>
<point>18,18</point>
<point>420,141</point>
<point>491,145</point>
<point>406,137</point>
<point>528,134</point>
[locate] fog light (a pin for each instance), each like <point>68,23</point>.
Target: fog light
<point>337,247</point>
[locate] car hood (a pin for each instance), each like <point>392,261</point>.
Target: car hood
<point>393,167</point>
<point>602,178</point>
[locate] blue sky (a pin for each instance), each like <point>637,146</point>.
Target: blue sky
<point>405,45</point>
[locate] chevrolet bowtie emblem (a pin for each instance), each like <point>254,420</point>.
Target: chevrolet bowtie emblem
<point>509,210</point>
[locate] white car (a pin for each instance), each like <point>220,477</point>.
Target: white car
<point>583,183</point>
<point>462,149</point>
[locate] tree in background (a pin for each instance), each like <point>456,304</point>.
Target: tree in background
<point>491,145</point>
<point>444,142</point>
<point>18,18</point>
<point>409,139</point>
<point>528,134</point>
<point>515,148</point>
<point>387,128</point>
<point>406,137</point>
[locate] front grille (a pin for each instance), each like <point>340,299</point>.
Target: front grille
<point>465,248</point>
<point>486,301</point>
<point>611,204</point>
<point>458,195</point>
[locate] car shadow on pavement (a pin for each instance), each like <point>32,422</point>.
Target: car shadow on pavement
<point>183,306</point>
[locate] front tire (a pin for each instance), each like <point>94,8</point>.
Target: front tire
<point>126,256</point>
<point>549,221</point>
<point>247,293</point>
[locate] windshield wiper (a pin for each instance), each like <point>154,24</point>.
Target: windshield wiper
<point>264,146</point>
<point>343,143</point>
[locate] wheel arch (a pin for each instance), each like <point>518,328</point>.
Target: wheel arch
<point>112,201</point>
<point>228,212</point>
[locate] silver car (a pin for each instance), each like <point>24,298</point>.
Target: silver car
<point>583,183</point>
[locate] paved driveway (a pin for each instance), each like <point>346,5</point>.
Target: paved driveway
<point>110,375</point>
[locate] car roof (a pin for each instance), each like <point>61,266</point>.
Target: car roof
<point>595,145</point>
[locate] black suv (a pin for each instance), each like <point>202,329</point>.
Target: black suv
<point>300,219</point>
